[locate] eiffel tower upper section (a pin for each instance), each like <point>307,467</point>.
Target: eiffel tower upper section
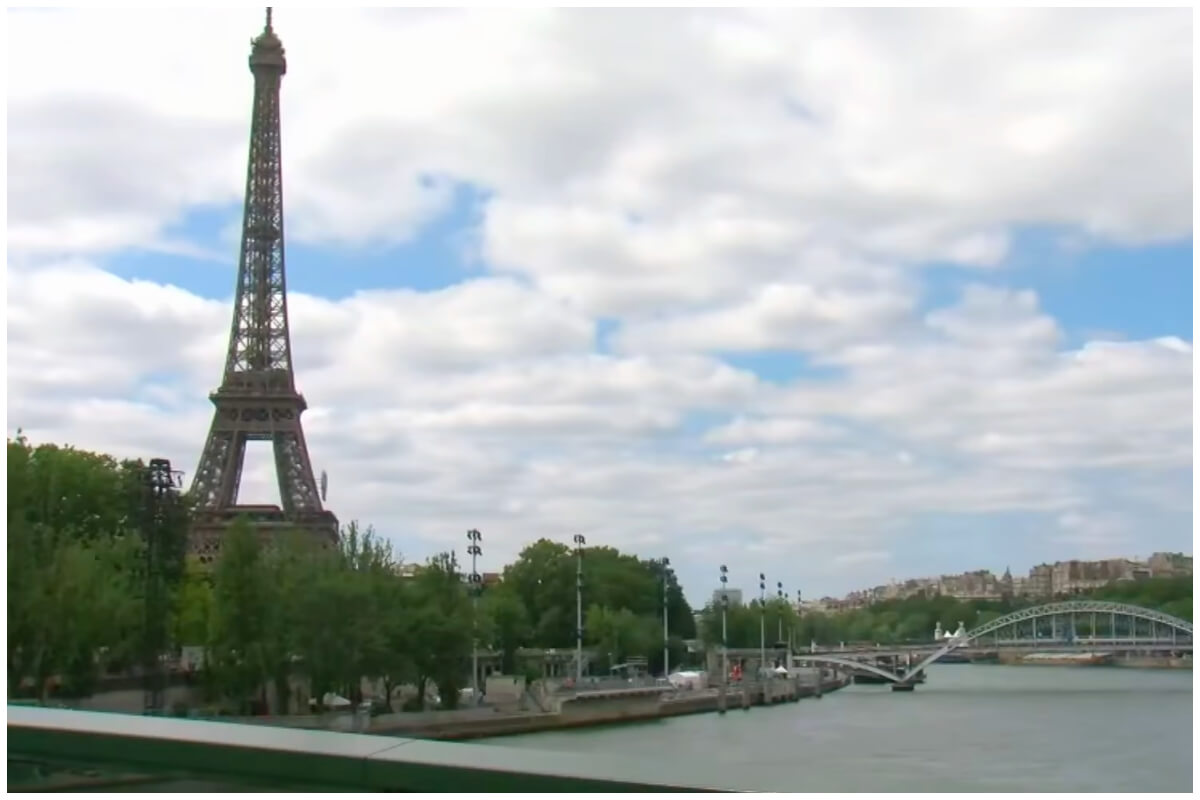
<point>257,399</point>
<point>260,347</point>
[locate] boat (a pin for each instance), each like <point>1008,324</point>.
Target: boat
<point>953,658</point>
<point>1068,659</point>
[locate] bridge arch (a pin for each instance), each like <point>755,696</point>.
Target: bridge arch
<point>1053,610</point>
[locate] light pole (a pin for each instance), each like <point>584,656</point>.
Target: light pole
<point>787,603</point>
<point>579,543</point>
<point>783,604</point>
<point>475,537</point>
<point>799,618</point>
<point>724,630</point>
<point>762,624</point>
<point>666,562</point>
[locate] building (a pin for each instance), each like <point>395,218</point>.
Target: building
<point>734,595</point>
<point>1044,581</point>
<point>978,585</point>
<point>1169,564</point>
<point>1041,581</point>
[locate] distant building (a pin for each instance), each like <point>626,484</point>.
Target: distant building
<point>1044,581</point>
<point>1041,581</point>
<point>978,585</point>
<point>1169,564</point>
<point>407,570</point>
<point>734,595</point>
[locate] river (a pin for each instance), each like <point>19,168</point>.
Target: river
<point>969,728</point>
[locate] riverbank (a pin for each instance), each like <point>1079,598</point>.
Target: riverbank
<point>1094,660</point>
<point>588,710</point>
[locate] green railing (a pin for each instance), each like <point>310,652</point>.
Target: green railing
<point>101,750</point>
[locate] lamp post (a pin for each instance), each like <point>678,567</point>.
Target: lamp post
<point>787,603</point>
<point>579,543</point>
<point>724,636</point>
<point>475,537</point>
<point>799,618</point>
<point>725,609</point>
<point>762,624</point>
<point>666,563</point>
<point>783,597</point>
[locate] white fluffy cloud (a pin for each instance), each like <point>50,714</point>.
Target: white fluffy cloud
<point>712,182</point>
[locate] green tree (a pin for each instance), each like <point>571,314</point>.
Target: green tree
<point>192,607</point>
<point>619,635</point>
<point>239,629</point>
<point>439,628</point>
<point>73,565</point>
<point>72,608</point>
<point>504,625</point>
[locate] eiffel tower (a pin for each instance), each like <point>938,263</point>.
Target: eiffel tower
<point>257,399</point>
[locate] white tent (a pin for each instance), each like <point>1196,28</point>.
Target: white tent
<point>331,700</point>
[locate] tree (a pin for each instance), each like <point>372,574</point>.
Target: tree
<point>543,579</point>
<point>73,601</point>
<point>619,635</point>
<point>504,624</point>
<point>239,629</point>
<point>439,628</point>
<point>72,608</point>
<point>76,493</point>
<point>192,607</point>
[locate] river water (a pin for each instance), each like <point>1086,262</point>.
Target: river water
<point>969,728</point>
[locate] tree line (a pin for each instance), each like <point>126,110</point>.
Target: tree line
<point>79,604</point>
<point>914,619</point>
<point>78,600</point>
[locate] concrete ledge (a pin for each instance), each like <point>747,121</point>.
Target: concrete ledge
<point>291,757</point>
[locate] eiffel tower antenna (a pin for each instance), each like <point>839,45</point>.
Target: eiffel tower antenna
<point>257,399</point>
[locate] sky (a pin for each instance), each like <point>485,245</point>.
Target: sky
<point>836,296</point>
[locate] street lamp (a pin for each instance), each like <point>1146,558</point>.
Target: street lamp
<point>666,563</point>
<point>783,604</point>
<point>724,629</point>
<point>799,616</point>
<point>762,623</point>
<point>579,543</point>
<point>475,537</point>
<point>787,603</point>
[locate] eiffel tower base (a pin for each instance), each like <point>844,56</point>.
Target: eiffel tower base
<point>209,528</point>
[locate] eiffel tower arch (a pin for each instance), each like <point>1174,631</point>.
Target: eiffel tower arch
<point>257,399</point>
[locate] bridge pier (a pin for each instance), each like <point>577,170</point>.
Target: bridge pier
<point>903,687</point>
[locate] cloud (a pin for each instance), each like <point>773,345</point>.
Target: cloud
<point>751,181</point>
<point>921,133</point>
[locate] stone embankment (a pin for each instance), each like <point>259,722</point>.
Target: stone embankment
<point>582,709</point>
<point>520,709</point>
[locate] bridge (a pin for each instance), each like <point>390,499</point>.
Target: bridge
<point>1143,629</point>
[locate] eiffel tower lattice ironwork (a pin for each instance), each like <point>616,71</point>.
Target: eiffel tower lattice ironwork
<point>257,399</point>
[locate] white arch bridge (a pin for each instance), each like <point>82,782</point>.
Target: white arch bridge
<point>1144,628</point>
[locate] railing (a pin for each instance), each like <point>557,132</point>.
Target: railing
<point>192,755</point>
<point>606,684</point>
